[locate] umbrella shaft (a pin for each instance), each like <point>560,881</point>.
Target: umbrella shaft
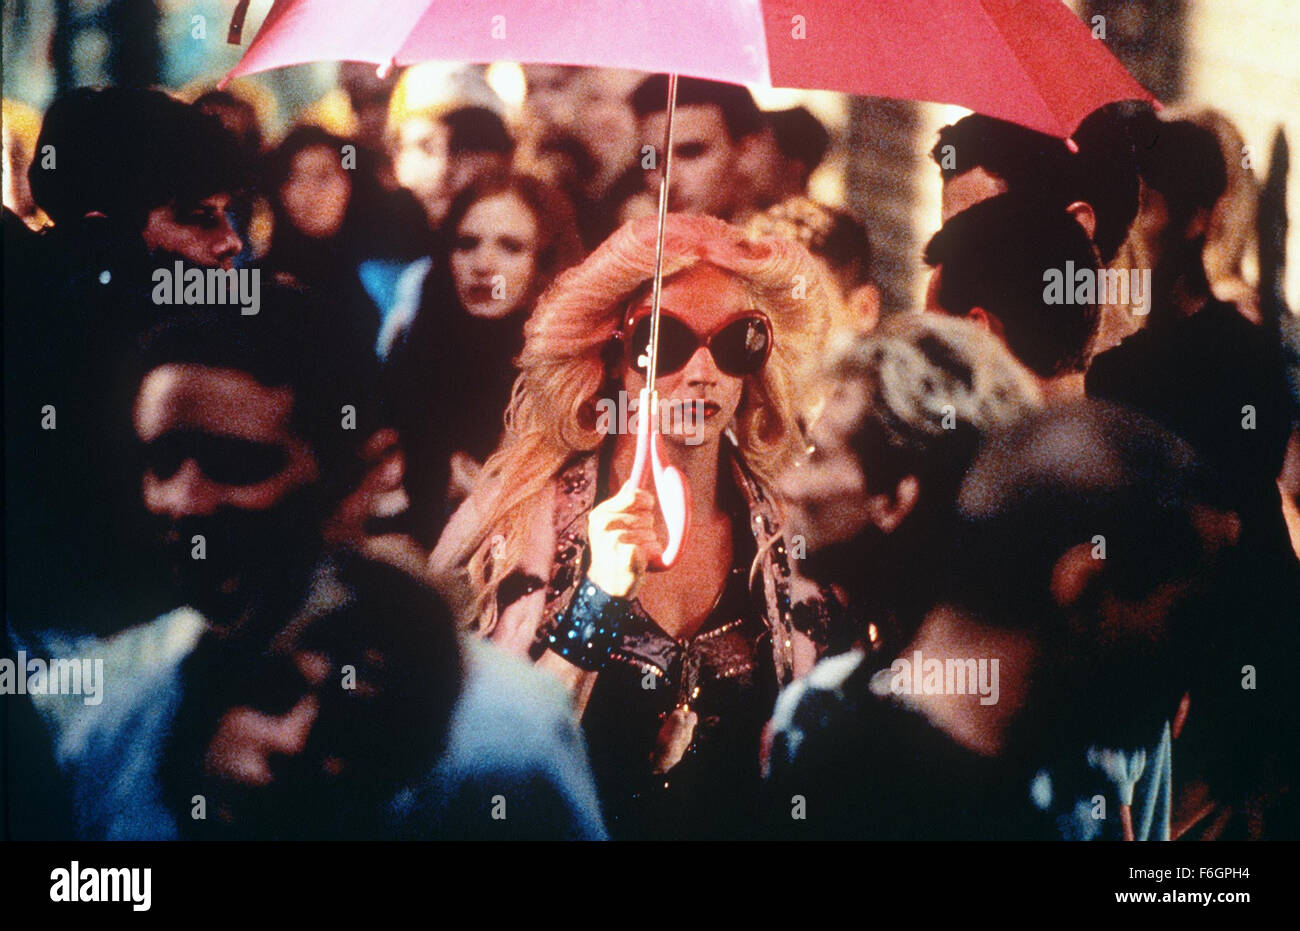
<point>657,285</point>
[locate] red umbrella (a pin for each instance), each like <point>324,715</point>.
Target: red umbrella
<point>1027,61</point>
<point>1031,62</point>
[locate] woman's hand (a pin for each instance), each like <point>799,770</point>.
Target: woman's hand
<point>621,531</point>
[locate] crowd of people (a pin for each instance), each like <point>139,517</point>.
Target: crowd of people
<point>367,556</point>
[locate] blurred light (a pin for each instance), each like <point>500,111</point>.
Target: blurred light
<point>429,84</point>
<point>826,186</point>
<point>776,98</point>
<point>439,86</point>
<point>506,78</point>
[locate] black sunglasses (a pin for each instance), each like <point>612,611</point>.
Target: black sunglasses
<point>226,460</point>
<point>739,347</point>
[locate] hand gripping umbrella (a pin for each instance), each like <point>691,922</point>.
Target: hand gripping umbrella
<point>1030,62</point>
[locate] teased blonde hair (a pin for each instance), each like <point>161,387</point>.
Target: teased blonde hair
<point>552,413</point>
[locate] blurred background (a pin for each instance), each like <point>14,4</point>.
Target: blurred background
<point>1238,56</point>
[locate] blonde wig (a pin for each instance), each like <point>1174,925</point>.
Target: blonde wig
<point>566,368</point>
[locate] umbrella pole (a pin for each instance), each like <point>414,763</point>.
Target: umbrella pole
<point>670,486</point>
<point>657,284</point>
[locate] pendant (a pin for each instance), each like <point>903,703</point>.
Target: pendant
<point>675,738</point>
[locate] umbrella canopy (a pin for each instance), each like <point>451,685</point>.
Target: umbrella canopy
<point>718,39</point>
<point>1031,62</point>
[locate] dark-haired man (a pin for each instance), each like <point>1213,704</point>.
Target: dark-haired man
<point>324,692</point>
<point>995,263</point>
<point>716,131</point>
<point>793,144</point>
<point>150,166</point>
<point>134,180</point>
<point>980,157</point>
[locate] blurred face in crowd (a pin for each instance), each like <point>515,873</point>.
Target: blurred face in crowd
<point>494,258</point>
<point>706,299</point>
<point>772,176</point>
<point>826,491</point>
<point>847,510</point>
<point>466,168</point>
<point>705,175</point>
<point>240,120</point>
<point>605,122</point>
<point>968,189</point>
<point>315,195</point>
<point>551,95</point>
<point>300,746</point>
<point>586,130</point>
<point>1154,233</point>
<point>222,461</point>
<point>769,182</point>
<point>200,232</point>
<point>369,95</point>
<point>420,162</point>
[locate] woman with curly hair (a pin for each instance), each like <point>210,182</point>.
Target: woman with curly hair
<point>673,672</point>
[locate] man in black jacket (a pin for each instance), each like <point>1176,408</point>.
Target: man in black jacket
<point>133,180</point>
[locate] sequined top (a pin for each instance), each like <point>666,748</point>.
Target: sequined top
<point>729,672</point>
